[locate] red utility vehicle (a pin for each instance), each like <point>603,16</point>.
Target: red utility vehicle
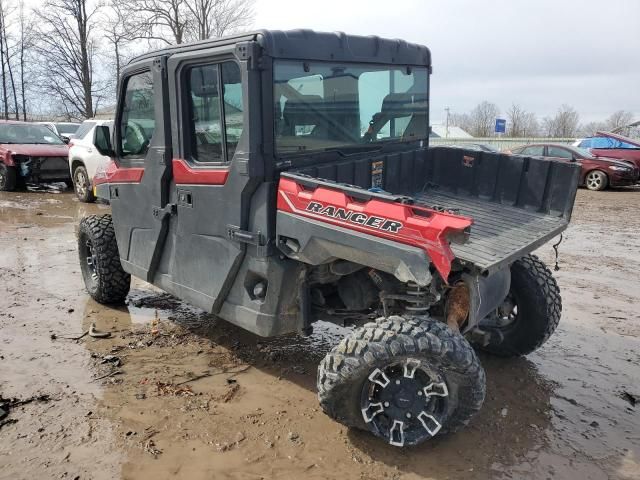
<point>31,152</point>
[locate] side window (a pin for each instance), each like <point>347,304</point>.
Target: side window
<point>535,151</point>
<point>559,152</point>
<point>207,132</point>
<point>586,143</point>
<point>137,122</point>
<point>233,108</point>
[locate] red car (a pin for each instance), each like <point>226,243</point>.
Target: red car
<point>598,173</point>
<point>31,152</point>
<point>611,145</point>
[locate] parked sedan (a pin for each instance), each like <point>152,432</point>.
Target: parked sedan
<point>597,172</point>
<point>612,145</point>
<point>84,158</point>
<point>31,153</point>
<point>64,130</point>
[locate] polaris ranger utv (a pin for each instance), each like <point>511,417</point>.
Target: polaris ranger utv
<point>279,178</point>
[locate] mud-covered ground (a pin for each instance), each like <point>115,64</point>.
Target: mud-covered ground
<point>190,397</point>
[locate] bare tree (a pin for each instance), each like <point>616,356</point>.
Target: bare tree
<point>618,119</point>
<point>26,44</point>
<point>67,50</point>
<point>521,123</point>
<point>216,18</point>
<point>564,124</point>
<point>482,119</point>
<point>164,20</point>
<point>119,30</point>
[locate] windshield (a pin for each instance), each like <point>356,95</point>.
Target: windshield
<point>584,153</point>
<point>67,127</point>
<point>28,133</point>
<point>337,106</point>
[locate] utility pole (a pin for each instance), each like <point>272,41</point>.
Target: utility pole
<point>447,125</point>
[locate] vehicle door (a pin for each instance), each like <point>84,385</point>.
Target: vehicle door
<point>210,172</point>
<point>139,190</point>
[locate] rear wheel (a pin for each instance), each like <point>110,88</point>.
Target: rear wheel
<point>103,275</point>
<point>403,379</point>
<point>82,184</point>
<point>596,180</point>
<point>8,178</point>
<point>530,313</point>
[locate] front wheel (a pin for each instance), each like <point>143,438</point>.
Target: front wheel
<point>403,379</point>
<point>530,313</point>
<point>596,180</point>
<point>8,178</point>
<point>103,275</point>
<point>82,185</point>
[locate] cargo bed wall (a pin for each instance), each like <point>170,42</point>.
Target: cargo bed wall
<point>534,184</point>
<point>517,203</point>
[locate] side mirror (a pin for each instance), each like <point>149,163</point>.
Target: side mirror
<point>103,141</point>
<point>66,140</point>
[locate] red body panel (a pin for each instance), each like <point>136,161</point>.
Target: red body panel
<point>420,227</point>
<point>185,175</point>
<point>115,174</point>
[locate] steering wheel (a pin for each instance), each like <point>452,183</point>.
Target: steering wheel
<point>135,138</point>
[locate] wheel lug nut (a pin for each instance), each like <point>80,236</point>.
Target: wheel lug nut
<point>386,404</point>
<point>419,393</point>
<point>408,415</point>
<point>397,382</point>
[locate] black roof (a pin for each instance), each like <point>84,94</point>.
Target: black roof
<point>311,45</point>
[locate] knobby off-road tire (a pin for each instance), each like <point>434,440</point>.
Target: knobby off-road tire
<point>8,178</point>
<point>104,277</point>
<point>348,373</point>
<point>536,295</point>
<point>82,185</point>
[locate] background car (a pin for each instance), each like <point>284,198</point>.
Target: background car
<point>31,153</point>
<point>64,130</point>
<point>84,158</point>
<point>597,172</point>
<point>611,145</point>
<point>480,147</point>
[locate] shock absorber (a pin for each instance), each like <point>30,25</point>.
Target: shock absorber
<point>417,298</point>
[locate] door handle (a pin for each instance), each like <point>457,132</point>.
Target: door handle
<point>89,150</point>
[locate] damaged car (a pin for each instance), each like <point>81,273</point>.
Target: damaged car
<point>31,153</point>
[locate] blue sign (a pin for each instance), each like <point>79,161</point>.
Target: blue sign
<point>501,125</point>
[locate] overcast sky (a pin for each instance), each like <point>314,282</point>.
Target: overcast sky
<point>537,53</point>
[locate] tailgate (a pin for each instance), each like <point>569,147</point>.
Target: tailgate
<point>517,203</point>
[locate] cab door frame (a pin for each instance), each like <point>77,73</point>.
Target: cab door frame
<point>139,191</point>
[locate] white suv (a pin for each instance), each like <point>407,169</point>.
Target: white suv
<point>84,158</point>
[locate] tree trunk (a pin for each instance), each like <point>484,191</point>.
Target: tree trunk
<point>2,58</point>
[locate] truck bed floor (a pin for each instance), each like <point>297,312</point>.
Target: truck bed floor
<point>500,234</point>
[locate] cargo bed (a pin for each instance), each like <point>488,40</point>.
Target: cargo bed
<point>499,234</point>
<point>517,203</point>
